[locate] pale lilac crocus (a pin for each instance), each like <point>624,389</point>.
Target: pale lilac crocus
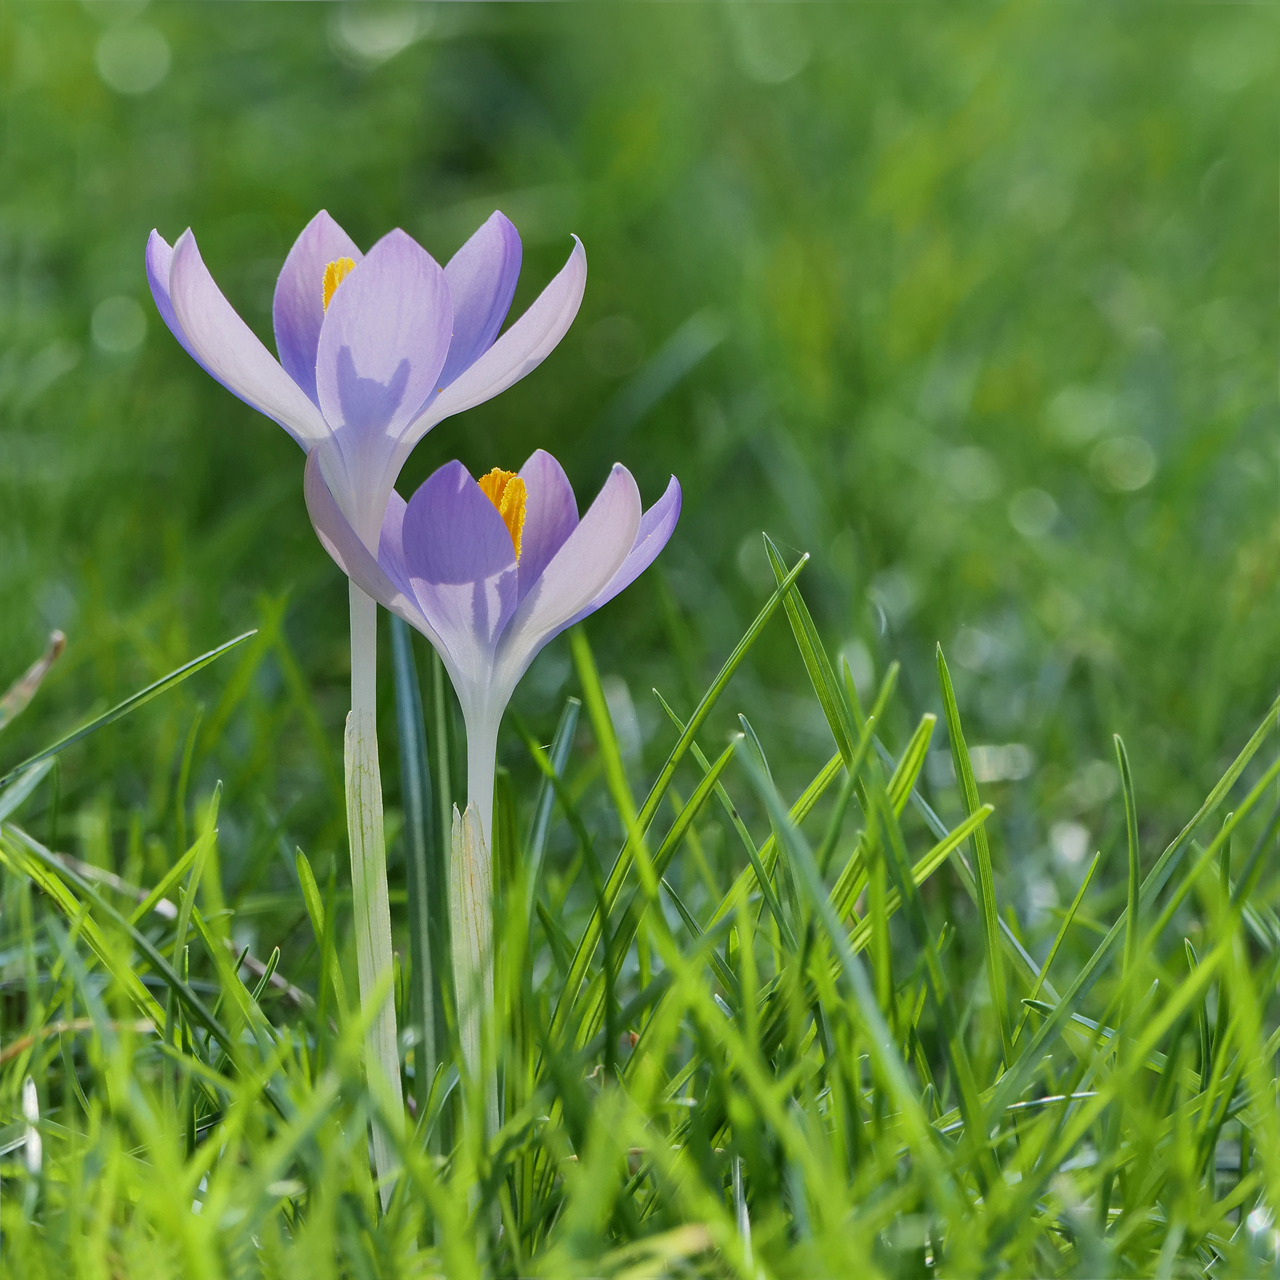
<point>490,572</point>
<point>374,350</point>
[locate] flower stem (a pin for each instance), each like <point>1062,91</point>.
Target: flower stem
<point>471,910</point>
<point>371,905</point>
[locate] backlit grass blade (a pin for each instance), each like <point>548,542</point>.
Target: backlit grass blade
<point>625,932</point>
<point>143,696</point>
<point>816,663</point>
<point>193,1004</point>
<point>613,885</point>
<point>982,858</point>
<point>885,1054</point>
<point>1058,940</point>
<point>922,870</point>
<point>1018,1075</point>
<point>961,1066</point>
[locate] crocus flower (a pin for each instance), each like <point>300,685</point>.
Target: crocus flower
<point>491,571</point>
<point>375,348</point>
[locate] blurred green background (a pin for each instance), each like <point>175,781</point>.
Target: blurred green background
<point>975,304</point>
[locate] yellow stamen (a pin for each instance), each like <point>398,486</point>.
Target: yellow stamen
<point>334,274</point>
<point>506,491</point>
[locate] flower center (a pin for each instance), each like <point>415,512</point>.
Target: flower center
<point>506,491</point>
<point>334,274</point>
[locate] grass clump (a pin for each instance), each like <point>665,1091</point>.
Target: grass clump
<point>737,1033</point>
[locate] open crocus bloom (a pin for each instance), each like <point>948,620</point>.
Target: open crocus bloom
<point>490,572</point>
<point>375,348</point>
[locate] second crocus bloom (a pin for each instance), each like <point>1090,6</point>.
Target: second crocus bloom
<point>491,571</point>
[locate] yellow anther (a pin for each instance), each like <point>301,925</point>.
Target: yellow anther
<point>334,274</point>
<point>506,491</point>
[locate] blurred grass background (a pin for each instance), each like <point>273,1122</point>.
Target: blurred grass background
<point>975,304</point>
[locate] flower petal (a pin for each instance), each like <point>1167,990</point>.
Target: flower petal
<point>340,540</point>
<point>519,351</point>
<point>382,344</point>
<point>461,564</point>
<point>482,281</point>
<point>297,311</point>
<point>656,527</point>
<point>159,264</point>
<point>229,349</point>
<point>578,572</point>
<point>550,515</point>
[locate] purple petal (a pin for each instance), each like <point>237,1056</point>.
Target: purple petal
<point>382,345</point>
<point>656,527</point>
<point>462,566</point>
<point>297,311</point>
<point>519,351</point>
<point>228,348</point>
<point>550,515</point>
<point>482,281</point>
<point>159,264</point>
<point>340,540</point>
<point>578,572</point>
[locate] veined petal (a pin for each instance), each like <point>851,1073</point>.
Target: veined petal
<point>382,345</point>
<point>656,527</point>
<point>550,515</point>
<point>340,540</point>
<point>229,349</point>
<point>482,281</point>
<point>519,351</point>
<point>462,567</point>
<point>577,573</point>
<point>297,310</point>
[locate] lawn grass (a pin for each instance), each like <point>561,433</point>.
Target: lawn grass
<point>780,1064</point>
<point>975,307</point>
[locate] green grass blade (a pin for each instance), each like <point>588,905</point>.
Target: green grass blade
<point>163,685</point>
<point>544,801</point>
<point>1132,922</point>
<point>1019,1074</point>
<point>613,885</point>
<point>885,1055</point>
<point>1058,940</point>
<point>816,662</point>
<point>982,857</point>
<point>14,794</point>
<point>322,927</point>
<point>194,1005</point>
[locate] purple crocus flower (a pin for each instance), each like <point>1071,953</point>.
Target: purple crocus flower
<point>375,348</point>
<point>491,571</point>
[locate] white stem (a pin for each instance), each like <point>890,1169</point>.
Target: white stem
<point>372,909</point>
<point>471,909</point>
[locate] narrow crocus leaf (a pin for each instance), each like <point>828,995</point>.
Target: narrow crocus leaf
<point>425,871</point>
